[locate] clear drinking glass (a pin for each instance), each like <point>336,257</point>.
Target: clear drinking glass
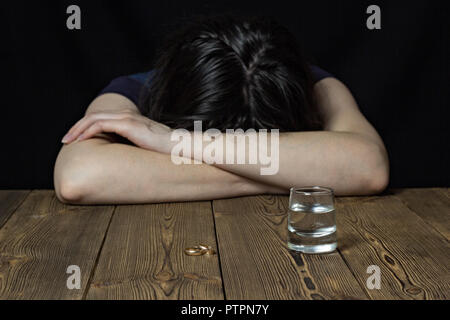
<point>312,220</point>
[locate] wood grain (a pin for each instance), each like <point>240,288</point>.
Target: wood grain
<point>143,255</point>
<point>256,263</point>
<point>9,201</point>
<point>404,232</point>
<point>413,257</point>
<point>41,239</point>
<point>432,205</point>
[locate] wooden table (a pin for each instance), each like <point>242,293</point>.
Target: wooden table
<point>136,252</point>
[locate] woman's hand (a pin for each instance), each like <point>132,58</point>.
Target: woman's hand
<point>142,131</point>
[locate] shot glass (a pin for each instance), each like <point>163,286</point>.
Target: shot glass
<point>312,220</point>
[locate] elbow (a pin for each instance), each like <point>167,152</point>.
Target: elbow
<point>377,182</point>
<point>69,193</point>
<point>70,187</point>
<point>375,178</point>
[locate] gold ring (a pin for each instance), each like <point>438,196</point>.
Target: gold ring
<point>199,250</point>
<point>209,249</point>
<point>204,247</point>
<point>195,251</point>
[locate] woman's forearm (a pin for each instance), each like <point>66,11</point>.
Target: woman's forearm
<point>350,163</point>
<point>96,171</point>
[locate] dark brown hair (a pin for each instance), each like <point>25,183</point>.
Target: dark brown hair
<point>232,73</point>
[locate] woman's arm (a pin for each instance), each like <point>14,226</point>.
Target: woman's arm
<point>101,170</point>
<point>349,156</point>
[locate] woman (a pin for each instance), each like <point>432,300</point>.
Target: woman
<point>228,73</point>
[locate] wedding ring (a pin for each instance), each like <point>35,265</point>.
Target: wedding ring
<point>204,247</point>
<point>199,250</point>
<point>194,251</point>
<point>209,249</point>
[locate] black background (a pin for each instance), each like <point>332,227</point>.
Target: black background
<point>399,75</point>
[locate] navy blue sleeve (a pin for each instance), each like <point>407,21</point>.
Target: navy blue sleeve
<point>128,86</point>
<point>319,74</point>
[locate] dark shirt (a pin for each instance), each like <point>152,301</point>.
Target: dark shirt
<point>130,86</point>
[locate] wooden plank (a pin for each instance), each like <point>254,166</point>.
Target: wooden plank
<point>256,263</point>
<point>143,255</point>
<point>432,205</point>
<point>413,257</point>
<point>9,201</point>
<point>41,239</point>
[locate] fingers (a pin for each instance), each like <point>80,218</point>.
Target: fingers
<point>135,129</point>
<point>120,127</point>
<point>86,122</point>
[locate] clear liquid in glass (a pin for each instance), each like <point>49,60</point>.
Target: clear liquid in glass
<point>312,228</point>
